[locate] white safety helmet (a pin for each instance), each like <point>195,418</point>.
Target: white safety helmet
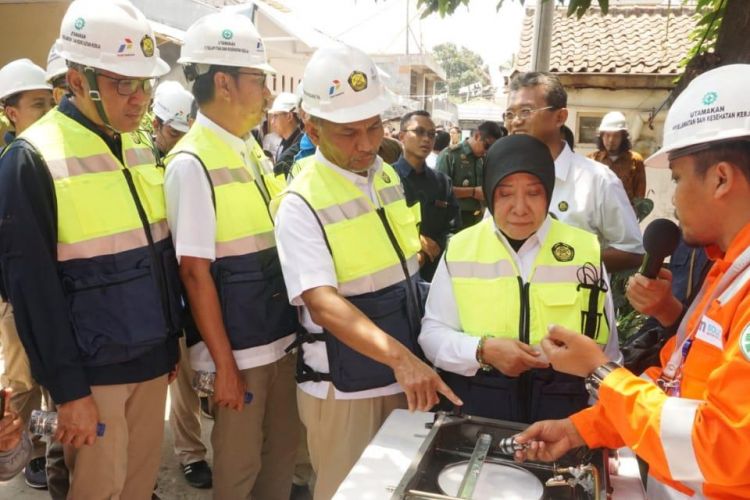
<point>112,35</point>
<point>714,107</point>
<point>223,39</point>
<point>614,121</point>
<point>19,76</point>
<point>172,105</point>
<point>56,65</point>
<point>285,102</point>
<point>343,85</point>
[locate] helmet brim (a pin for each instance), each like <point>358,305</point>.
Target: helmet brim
<point>351,114</point>
<point>660,159</point>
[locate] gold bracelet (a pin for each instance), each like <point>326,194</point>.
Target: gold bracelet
<point>480,354</point>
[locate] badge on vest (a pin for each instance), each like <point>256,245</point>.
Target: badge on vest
<point>386,178</point>
<point>563,252</point>
<point>711,332</point>
<point>745,342</point>
<point>563,206</point>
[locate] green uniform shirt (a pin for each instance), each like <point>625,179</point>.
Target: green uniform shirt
<point>465,170</point>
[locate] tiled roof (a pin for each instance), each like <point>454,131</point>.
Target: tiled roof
<point>632,40</point>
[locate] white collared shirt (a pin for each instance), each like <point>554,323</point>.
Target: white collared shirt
<point>192,221</point>
<point>588,195</point>
<point>442,337</point>
<point>307,264</point>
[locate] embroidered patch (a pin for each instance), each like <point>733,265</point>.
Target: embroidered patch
<point>386,178</point>
<point>563,252</point>
<point>745,342</point>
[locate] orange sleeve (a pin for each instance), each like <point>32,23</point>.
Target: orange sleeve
<point>685,439</point>
<point>595,429</point>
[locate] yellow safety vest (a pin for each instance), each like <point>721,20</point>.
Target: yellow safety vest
<point>243,223</point>
<point>247,271</point>
<point>363,252</point>
<point>113,245</point>
<point>374,251</point>
<point>493,300</point>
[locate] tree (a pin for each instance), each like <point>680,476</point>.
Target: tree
<point>462,66</point>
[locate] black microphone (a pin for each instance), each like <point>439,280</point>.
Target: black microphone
<point>659,240</point>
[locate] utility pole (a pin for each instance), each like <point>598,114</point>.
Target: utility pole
<point>407,27</point>
<point>544,16</point>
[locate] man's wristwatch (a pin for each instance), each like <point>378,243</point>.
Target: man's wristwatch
<point>595,378</point>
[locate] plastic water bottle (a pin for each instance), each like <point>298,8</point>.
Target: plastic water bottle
<point>44,423</point>
<point>203,382</point>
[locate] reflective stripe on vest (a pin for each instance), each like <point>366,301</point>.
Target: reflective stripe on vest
<point>484,276</point>
<point>363,255</point>
<point>96,214</point>
<point>243,223</point>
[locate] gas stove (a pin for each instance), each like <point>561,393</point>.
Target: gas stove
<point>465,457</point>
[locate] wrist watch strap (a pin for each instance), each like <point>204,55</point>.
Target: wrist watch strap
<point>595,378</point>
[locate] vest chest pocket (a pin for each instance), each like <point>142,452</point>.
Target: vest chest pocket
<point>558,303</point>
<point>350,370</point>
<point>116,317</point>
<point>404,221</point>
<point>255,307</point>
<point>149,183</point>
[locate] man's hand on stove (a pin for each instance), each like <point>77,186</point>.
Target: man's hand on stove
<point>548,440</point>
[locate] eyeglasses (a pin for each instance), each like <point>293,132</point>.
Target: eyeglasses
<point>129,86</point>
<point>422,132</point>
<point>260,76</point>
<point>523,113</point>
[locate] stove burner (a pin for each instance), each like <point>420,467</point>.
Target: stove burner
<point>496,482</point>
<point>471,457</point>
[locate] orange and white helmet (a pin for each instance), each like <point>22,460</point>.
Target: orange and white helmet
<point>112,35</point>
<point>342,85</point>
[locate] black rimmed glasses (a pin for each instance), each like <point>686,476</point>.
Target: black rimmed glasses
<point>129,86</point>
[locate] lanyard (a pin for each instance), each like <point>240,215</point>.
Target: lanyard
<point>672,372</point>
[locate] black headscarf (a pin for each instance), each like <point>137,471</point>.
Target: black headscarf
<point>517,153</point>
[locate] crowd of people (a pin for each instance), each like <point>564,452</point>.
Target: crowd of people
<point>315,269</point>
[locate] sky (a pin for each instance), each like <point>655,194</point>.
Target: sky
<point>380,26</point>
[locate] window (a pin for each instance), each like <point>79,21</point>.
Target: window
<point>283,83</point>
<point>274,83</point>
<point>588,128</point>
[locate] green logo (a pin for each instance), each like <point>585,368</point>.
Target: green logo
<point>745,342</point>
<point>710,98</point>
<point>80,23</point>
<point>227,34</point>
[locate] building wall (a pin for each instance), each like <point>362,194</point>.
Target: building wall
<point>29,29</point>
<point>587,106</point>
<point>635,105</point>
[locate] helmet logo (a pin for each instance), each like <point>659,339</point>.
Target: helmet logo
<point>357,81</point>
<point>147,46</point>
<point>80,23</point>
<point>227,34</point>
<point>710,98</point>
<point>126,45</point>
<point>335,89</point>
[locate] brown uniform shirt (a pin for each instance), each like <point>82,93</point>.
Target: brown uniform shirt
<point>629,168</point>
